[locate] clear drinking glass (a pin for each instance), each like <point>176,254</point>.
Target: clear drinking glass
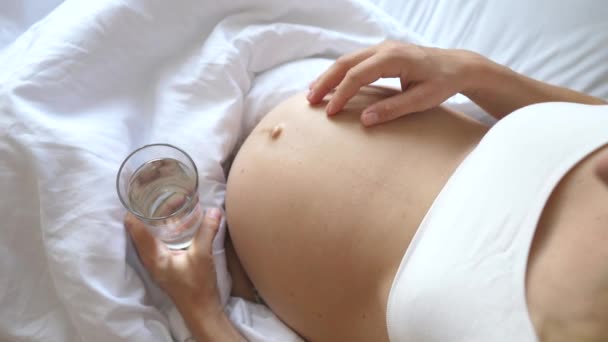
<point>158,183</point>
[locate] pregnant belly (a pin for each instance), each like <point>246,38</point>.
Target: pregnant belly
<point>321,210</point>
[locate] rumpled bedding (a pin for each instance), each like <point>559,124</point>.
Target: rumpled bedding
<point>94,80</point>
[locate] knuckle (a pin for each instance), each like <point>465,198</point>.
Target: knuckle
<point>387,109</point>
<point>210,222</point>
<point>352,76</point>
<point>392,46</point>
<point>387,58</point>
<point>342,62</point>
<point>423,93</point>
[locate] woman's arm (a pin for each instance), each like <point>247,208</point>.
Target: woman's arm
<point>428,77</point>
<point>500,91</point>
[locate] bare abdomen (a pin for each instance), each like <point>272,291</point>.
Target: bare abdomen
<point>321,213</point>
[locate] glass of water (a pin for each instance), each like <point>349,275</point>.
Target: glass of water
<point>158,184</point>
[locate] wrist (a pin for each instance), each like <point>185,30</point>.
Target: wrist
<point>477,72</point>
<point>195,309</point>
<point>209,324</point>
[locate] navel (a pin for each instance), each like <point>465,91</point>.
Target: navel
<point>276,131</point>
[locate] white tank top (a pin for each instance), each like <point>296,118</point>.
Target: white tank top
<point>463,276</point>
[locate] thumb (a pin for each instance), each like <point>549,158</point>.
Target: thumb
<point>416,98</point>
<point>203,242</point>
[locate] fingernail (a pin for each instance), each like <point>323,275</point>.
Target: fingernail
<point>369,118</point>
<point>310,95</point>
<point>331,109</point>
<point>214,213</point>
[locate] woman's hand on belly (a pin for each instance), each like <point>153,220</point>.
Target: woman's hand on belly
<point>428,77</point>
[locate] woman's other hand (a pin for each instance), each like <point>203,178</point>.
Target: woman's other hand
<point>428,77</point>
<point>187,276</point>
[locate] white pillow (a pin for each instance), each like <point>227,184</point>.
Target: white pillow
<point>562,42</point>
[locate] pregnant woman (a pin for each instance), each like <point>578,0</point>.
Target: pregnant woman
<point>430,227</point>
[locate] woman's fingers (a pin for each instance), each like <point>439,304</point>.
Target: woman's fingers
<point>150,250</point>
<point>416,98</point>
<point>362,74</point>
<point>334,75</point>
<point>206,233</point>
<point>428,76</point>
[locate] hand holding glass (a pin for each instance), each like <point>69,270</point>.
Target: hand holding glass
<point>158,184</point>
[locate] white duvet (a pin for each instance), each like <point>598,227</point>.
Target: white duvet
<point>96,79</point>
